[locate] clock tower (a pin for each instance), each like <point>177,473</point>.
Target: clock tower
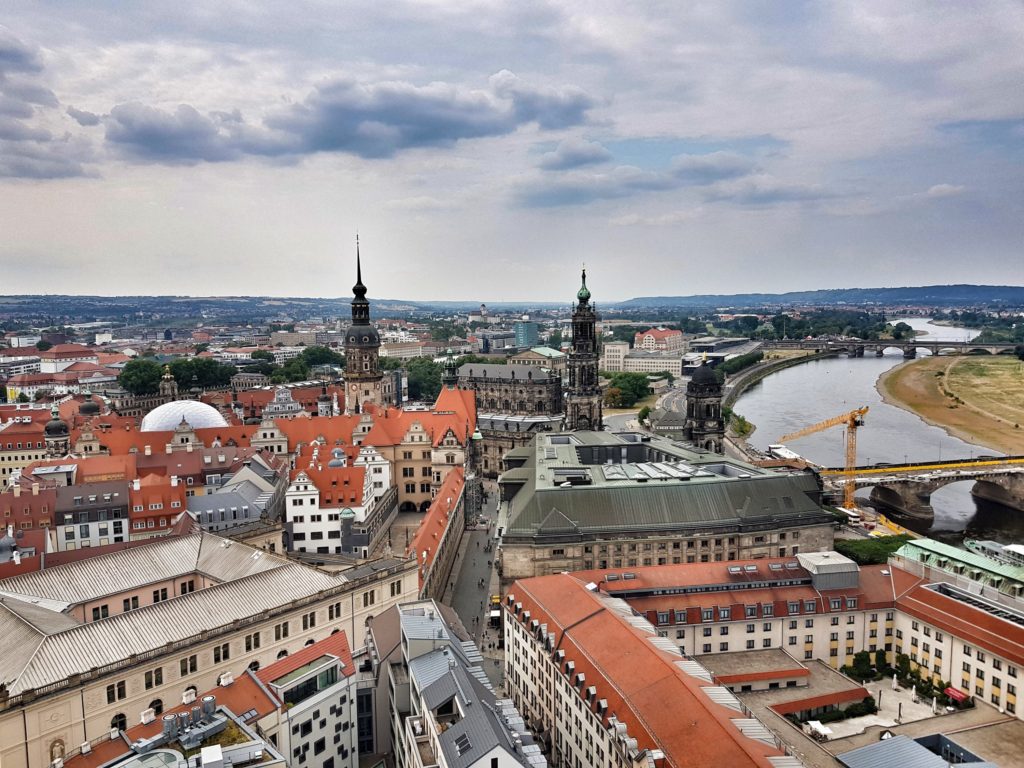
<point>364,382</point>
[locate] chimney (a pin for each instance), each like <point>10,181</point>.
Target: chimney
<point>167,448</point>
<point>17,491</point>
<point>35,489</point>
<point>136,484</point>
<point>148,451</point>
<point>174,481</point>
<point>189,448</point>
<point>10,531</point>
<point>16,555</point>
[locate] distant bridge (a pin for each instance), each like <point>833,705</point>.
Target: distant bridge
<point>907,488</point>
<point>857,347</point>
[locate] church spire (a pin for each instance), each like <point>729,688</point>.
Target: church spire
<point>359,289</point>
<point>583,295</point>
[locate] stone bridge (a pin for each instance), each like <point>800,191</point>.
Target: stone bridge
<point>857,347</point>
<point>910,495</point>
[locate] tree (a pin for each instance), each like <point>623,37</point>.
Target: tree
<point>262,354</point>
<point>318,355</point>
<point>902,331</point>
<point>643,414</point>
<point>204,372</point>
<point>200,348</point>
<point>140,377</point>
<point>613,397</point>
<point>1019,351</point>
<point>23,398</point>
<point>555,339</point>
<point>42,346</point>
<point>424,378</point>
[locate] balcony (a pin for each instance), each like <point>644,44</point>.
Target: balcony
<point>418,739</point>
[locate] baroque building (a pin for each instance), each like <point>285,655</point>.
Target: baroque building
<point>364,382</point>
<point>704,428</point>
<point>583,394</point>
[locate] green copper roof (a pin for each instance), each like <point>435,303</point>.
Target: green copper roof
<point>584,293</point>
<point>930,550</point>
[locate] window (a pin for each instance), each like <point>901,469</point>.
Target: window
<point>159,595</point>
<point>808,623</point>
<point>750,645</point>
<point>722,630</point>
<point>723,647</point>
<point>154,677</point>
<point>707,614</point>
<point>396,588</point>
<point>767,626</point>
<point>116,692</point>
<point>100,612</point>
<point>308,620</point>
<point>369,598</point>
<point>792,640</point>
<point>280,631</point>
<point>834,604</point>
<point>130,604</point>
<point>809,606</point>
<point>252,642</point>
<point>835,621</point>
<point>707,647</point>
<point>750,628</point>
<point>707,631</point>
<point>188,665</point>
<point>221,653</point>
<point>724,613</point>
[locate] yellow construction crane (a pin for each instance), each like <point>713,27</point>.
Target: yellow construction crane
<point>851,421</point>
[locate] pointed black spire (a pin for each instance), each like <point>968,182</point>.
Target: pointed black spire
<point>359,289</point>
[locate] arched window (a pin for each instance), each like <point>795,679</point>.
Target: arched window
<point>119,721</point>
<point>310,641</point>
<point>282,654</point>
<point>157,705</point>
<point>335,631</point>
<point>254,666</point>
<point>195,691</point>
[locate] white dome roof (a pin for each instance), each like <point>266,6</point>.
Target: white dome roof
<point>168,416</point>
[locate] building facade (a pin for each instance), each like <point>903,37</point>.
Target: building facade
<point>580,500</point>
<point>705,426</point>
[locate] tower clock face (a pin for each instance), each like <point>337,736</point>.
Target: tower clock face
<point>353,387</point>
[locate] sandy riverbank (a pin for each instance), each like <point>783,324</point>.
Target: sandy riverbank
<point>978,399</point>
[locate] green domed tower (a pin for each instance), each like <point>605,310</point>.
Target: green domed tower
<point>583,407</point>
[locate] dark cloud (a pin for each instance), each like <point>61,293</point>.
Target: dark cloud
<point>28,150</point>
<point>370,120</point>
<point>626,180</point>
<point>184,136</point>
<point>17,56</point>
<point>698,170</point>
<point>55,159</point>
<point>548,107</point>
<point>18,130</point>
<point>574,153</point>
<point>83,117</point>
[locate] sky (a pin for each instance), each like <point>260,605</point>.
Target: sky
<point>487,150</point>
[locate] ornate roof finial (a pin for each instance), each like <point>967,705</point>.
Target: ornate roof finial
<point>583,295</point>
<point>359,289</point>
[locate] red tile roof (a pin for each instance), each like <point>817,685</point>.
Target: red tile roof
<point>974,626</point>
<point>334,645</point>
<point>435,521</point>
<point>636,678</point>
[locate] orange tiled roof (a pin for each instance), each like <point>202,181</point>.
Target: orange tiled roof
<point>338,486</point>
<point>435,521</point>
<point>335,645</point>
<point>636,679</point>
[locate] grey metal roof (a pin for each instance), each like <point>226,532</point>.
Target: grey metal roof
<point>900,750</point>
<point>670,487</point>
<point>510,372</point>
<point>78,649</point>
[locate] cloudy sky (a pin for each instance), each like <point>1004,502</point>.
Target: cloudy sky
<point>484,150</point>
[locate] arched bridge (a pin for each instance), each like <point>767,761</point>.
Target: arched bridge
<point>908,488</point>
<point>858,347</point>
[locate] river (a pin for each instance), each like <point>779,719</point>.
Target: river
<point>806,394</point>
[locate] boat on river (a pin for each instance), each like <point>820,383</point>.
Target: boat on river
<point>1010,554</point>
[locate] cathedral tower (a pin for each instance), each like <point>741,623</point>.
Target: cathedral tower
<point>704,425</point>
<point>56,435</point>
<point>363,379</point>
<point>583,395</point>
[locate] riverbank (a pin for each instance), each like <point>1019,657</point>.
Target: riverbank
<point>977,399</point>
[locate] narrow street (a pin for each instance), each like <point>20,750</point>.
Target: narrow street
<point>475,580</point>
